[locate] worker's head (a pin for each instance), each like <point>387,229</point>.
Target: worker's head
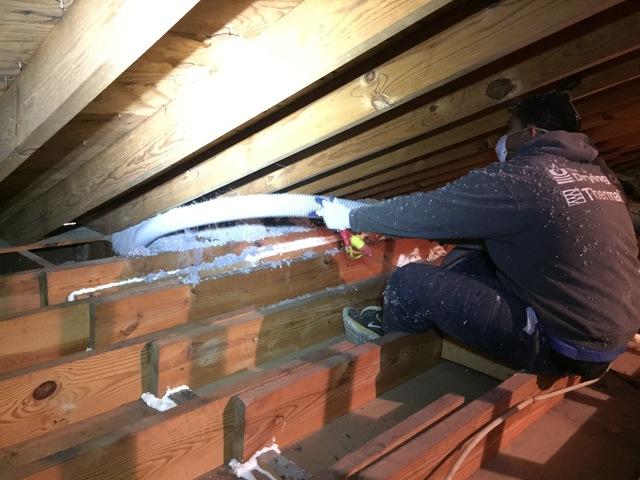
<point>535,115</point>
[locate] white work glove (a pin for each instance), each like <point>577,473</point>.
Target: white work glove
<point>334,214</point>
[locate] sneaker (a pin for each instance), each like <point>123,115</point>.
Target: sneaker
<point>364,326</point>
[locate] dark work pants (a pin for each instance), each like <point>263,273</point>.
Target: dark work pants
<point>466,301</point>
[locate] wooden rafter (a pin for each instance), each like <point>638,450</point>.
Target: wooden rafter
<point>184,127</point>
<point>72,67</point>
<point>186,53</point>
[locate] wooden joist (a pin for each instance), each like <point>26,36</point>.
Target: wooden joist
<point>44,334</point>
<point>20,292</point>
<point>73,66</point>
<point>349,465</point>
<point>143,310</point>
<point>206,354</point>
<point>167,443</point>
<point>38,399</point>
<point>424,454</point>
<point>451,54</point>
<point>126,315</point>
<point>184,125</point>
<point>298,404</point>
<point>63,280</point>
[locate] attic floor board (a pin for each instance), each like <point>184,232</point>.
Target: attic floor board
<point>347,433</point>
<point>592,433</point>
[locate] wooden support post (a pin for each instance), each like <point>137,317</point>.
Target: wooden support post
<point>208,353</point>
<point>62,78</point>
<point>298,404</point>
<point>51,332</point>
<point>352,463</point>
<point>421,456</point>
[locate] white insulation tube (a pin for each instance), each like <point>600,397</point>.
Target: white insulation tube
<point>223,209</point>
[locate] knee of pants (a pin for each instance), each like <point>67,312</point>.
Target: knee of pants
<point>402,294</point>
<point>411,277</point>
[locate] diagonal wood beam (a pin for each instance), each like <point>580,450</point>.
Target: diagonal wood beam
<point>249,82</point>
<point>596,46</point>
<point>73,66</point>
<point>591,83</point>
<point>436,61</point>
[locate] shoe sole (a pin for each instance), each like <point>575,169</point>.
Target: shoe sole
<point>355,332</point>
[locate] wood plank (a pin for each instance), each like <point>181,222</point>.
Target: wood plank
<point>585,102</point>
<point>460,354</point>
<point>496,441</point>
<point>63,280</point>
<point>128,315</point>
<point>46,243</point>
<point>20,292</point>
<point>183,442</point>
<point>161,445</point>
<point>419,457</point>
<point>61,78</point>
<point>242,341</point>
<point>42,398</point>
<point>472,154</point>
<point>24,25</point>
<point>602,43</point>
<point>415,157</point>
<point>17,456</point>
<point>349,465</point>
<point>180,129</point>
<point>45,334</point>
<point>298,404</point>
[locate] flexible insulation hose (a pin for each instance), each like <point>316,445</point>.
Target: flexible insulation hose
<point>223,209</point>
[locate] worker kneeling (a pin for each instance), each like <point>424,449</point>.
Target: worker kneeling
<point>555,286</point>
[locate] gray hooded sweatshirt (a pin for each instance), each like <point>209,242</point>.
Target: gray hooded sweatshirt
<point>555,223</point>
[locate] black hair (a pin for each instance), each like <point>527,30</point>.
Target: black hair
<point>550,111</point>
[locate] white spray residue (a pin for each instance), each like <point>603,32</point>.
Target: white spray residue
<point>245,470</point>
<point>165,403</point>
<point>248,258</point>
<point>191,240</point>
<point>287,247</point>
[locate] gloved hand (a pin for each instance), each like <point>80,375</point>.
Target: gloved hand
<point>334,214</point>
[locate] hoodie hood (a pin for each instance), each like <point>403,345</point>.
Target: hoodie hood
<point>575,147</point>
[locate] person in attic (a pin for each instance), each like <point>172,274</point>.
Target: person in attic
<point>554,289</point>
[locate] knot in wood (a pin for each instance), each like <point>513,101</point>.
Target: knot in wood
<point>369,77</point>
<point>380,101</point>
<point>500,88</point>
<point>44,390</point>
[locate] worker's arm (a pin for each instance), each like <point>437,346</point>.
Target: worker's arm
<point>480,205</point>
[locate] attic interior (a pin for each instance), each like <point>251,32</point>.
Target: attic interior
<point>115,111</point>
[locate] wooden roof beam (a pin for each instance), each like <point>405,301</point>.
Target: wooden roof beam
<point>298,44</point>
<point>73,66</point>
<point>450,54</point>
<point>413,156</point>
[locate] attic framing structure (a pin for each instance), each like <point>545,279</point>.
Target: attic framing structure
<point>113,111</point>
